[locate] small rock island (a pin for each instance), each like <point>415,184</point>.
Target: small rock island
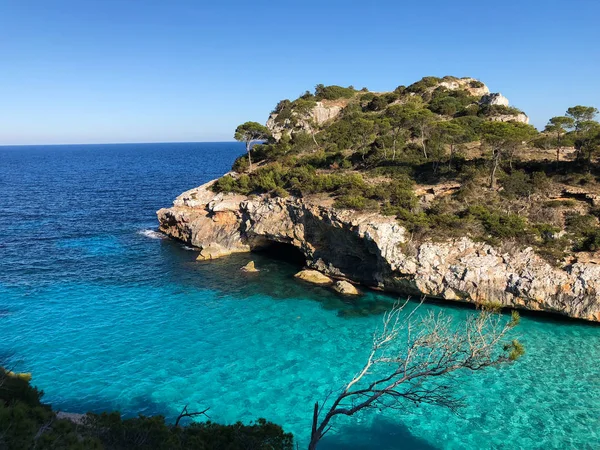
<point>439,189</point>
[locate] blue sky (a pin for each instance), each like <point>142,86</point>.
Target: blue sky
<point>89,71</point>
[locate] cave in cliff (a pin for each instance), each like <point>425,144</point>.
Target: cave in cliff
<point>283,252</point>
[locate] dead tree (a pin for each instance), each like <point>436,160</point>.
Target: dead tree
<point>185,413</point>
<point>410,359</point>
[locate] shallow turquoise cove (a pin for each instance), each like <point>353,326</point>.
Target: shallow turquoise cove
<point>108,315</point>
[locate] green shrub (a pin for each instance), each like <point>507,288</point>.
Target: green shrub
<point>468,111</point>
<point>366,98</point>
<point>280,192</point>
<point>498,110</point>
<point>450,103</point>
<point>16,387</point>
<point>579,224</point>
<point>398,194</point>
<point>153,433</point>
<point>241,164</point>
<point>26,423</point>
<point>540,181</point>
<point>590,241</point>
<point>304,106</point>
<point>302,142</point>
<point>333,92</point>
<point>225,184</point>
<point>445,105</point>
<point>545,231</point>
<point>378,103</point>
<point>413,222</point>
<point>593,211</point>
<point>281,105</point>
<point>423,85</point>
<point>566,203</point>
<point>285,114</point>
<point>517,185</point>
<point>498,224</point>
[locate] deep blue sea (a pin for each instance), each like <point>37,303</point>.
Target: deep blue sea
<point>107,314</point>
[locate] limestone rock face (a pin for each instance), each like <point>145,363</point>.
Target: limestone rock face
<point>510,118</point>
<point>205,220</point>
<point>494,99</point>
<point>475,87</point>
<point>321,113</point>
<point>313,276</point>
<point>374,251</point>
<point>343,287</point>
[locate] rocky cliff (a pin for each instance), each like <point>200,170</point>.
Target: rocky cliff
<point>377,252</point>
<point>321,113</point>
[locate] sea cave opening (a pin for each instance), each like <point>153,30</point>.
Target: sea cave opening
<point>282,251</point>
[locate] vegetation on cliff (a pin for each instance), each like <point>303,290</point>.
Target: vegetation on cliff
<point>442,156</point>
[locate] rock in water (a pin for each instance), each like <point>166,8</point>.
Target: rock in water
<point>313,276</point>
<point>249,267</point>
<point>343,287</point>
<point>212,251</point>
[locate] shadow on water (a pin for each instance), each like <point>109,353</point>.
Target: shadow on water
<point>8,361</point>
<point>142,405</point>
<point>277,266</point>
<point>382,434</point>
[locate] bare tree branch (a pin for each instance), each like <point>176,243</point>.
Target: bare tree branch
<point>416,369</point>
<point>186,413</point>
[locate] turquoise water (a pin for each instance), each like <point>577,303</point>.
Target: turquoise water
<point>106,314</point>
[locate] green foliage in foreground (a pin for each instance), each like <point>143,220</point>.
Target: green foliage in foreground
<point>27,423</point>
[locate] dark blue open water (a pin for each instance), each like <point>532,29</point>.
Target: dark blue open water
<point>108,315</point>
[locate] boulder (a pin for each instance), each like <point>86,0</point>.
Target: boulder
<point>313,276</point>
<point>346,288</point>
<point>212,251</point>
<point>249,267</point>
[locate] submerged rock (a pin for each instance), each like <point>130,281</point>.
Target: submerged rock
<point>313,276</point>
<point>375,251</point>
<point>346,288</point>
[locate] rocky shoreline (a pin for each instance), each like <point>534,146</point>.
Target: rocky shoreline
<point>375,251</point>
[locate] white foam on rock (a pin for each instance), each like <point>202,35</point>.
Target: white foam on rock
<point>152,234</point>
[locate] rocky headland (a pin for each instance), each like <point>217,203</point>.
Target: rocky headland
<point>439,188</point>
<point>376,252</point>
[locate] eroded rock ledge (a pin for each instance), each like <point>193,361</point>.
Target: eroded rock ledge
<point>375,251</point>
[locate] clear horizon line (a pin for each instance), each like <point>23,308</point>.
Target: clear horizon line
<point>117,143</point>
